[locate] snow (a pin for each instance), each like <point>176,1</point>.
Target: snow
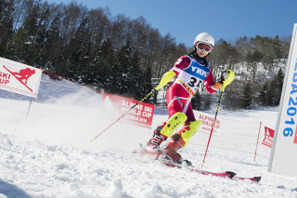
<point>48,152</point>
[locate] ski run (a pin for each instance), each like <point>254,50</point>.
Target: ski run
<point>48,154</point>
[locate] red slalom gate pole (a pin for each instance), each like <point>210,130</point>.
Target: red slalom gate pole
<point>257,142</point>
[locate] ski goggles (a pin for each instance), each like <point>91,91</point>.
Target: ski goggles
<point>203,46</point>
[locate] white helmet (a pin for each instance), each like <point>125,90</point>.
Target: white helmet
<point>204,38</point>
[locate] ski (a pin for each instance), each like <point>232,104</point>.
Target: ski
<point>254,179</point>
<point>227,174</point>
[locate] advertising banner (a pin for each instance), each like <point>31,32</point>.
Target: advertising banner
<point>141,115</point>
<point>19,78</point>
<point>283,158</point>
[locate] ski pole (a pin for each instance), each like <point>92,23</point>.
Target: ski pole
<point>153,91</point>
<point>229,79</point>
<point>212,127</point>
<point>164,80</point>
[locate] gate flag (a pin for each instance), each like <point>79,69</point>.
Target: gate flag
<point>19,78</point>
<point>268,139</point>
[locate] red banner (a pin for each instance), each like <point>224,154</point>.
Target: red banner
<point>269,134</point>
<point>141,115</point>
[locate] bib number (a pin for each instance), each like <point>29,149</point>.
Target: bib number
<point>194,82</point>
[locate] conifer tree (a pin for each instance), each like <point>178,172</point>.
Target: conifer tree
<point>106,70</point>
<point>146,83</point>
<point>16,46</point>
<point>245,99</point>
<point>264,95</point>
<point>30,26</point>
<point>276,87</point>
<point>52,50</point>
<point>271,91</point>
<point>6,25</point>
<point>136,80</point>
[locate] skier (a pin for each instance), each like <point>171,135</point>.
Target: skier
<point>189,71</point>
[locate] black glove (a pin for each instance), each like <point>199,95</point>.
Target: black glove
<point>222,80</point>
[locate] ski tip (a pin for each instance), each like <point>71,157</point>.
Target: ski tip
<point>232,174</point>
<point>257,179</point>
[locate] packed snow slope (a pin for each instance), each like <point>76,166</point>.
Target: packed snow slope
<point>47,153</point>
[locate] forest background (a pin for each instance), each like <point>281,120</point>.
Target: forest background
<point>121,56</point>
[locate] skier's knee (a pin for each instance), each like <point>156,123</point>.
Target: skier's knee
<point>173,123</point>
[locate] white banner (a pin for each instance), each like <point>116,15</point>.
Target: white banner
<point>207,121</point>
<point>19,78</point>
<point>283,158</point>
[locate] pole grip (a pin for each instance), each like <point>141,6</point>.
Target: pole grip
<point>165,79</point>
<point>228,80</point>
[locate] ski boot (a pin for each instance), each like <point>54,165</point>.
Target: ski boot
<point>153,145</point>
<point>163,131</point>
<point>175,143</point>
<point>179,140</point>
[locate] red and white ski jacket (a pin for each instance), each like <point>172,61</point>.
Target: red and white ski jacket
<point>190,72</point>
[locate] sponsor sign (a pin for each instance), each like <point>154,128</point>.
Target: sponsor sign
<point>141,115</point>
<point>207,121</point>
<point>283,158</point>
<point>19,78</point>
<point>268,138</point>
